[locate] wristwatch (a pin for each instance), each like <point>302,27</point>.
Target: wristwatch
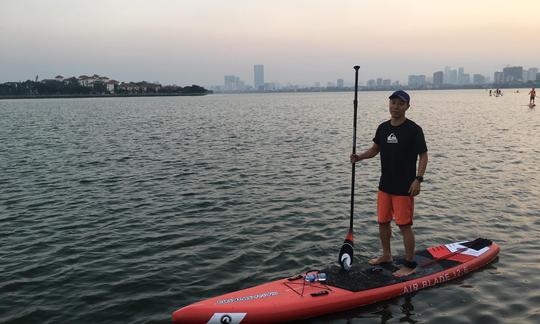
<point>419,178</point>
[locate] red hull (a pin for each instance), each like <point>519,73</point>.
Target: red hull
<point>277,302</point>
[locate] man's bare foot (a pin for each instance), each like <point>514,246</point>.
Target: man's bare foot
<point>379,260</point>
<point>404,272</point>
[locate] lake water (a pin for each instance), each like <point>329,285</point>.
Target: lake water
<point>122,210</point>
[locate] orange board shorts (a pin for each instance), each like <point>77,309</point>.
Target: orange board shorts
<point>401,208</point>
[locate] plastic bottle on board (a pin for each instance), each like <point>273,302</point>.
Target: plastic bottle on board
<point>312,277</point>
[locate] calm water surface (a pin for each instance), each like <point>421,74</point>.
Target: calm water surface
<point>122,210</point>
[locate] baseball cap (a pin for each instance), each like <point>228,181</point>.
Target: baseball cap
<point>401,95</point>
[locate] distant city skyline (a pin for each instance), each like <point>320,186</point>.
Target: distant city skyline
<point>449,76</point>
<point>299,42</point>
<point>457,76</point>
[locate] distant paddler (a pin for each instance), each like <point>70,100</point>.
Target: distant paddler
<point>532,95</point>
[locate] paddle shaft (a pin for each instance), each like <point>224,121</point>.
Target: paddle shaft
<point>346,253</point>
<point>355,104</point>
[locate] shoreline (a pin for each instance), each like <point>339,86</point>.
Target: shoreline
<point>67,96</point>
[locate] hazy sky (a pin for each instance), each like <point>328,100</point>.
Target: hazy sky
<point>298,41</point>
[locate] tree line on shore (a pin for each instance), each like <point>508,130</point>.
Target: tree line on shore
<point>73,87</point>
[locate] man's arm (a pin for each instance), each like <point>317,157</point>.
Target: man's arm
<point>414,188</point>
<point>422,164</point>
<point>368,154</point>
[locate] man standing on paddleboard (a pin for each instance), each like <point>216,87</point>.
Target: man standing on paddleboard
<point>532,93</point>
<point>401,144</point>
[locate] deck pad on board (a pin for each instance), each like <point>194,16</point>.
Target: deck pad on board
<point>365,276</point>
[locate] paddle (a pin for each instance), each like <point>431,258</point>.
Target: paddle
<point>346,252</point>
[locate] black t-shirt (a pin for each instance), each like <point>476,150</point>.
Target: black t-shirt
<point>399,148</point>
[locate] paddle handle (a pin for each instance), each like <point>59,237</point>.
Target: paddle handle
<point>355,104</point>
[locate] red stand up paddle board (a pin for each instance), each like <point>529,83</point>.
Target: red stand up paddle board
<point>330,290</point>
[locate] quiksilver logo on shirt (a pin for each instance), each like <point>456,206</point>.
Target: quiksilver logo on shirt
<point>391,139</point>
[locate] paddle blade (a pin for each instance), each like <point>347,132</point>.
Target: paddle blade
<point>346,253</point>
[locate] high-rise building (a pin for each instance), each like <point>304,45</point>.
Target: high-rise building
<point>446,74</point>
<point>417,80</point>
<point>387,82</point>
<point>438,78</point>
<point>460,76</point>
<point>513,74</point>
<point>525,75</point>
<point>498,77</point>
<point>339,83</point>
<point>258,77</point>
<point>466,79</point>
<point>232,83</point>
<point>479,79</point>
<point>532,74</point>
<point>452,77</point>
